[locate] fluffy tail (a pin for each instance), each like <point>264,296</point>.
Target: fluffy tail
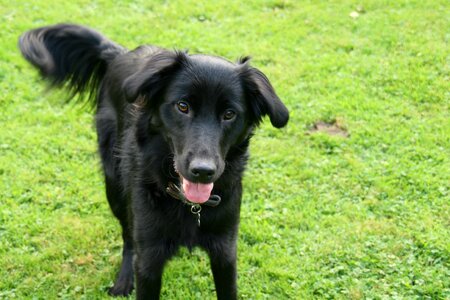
<point>70,55</point>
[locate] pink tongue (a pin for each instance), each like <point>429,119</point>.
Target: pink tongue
<point>197,192</point>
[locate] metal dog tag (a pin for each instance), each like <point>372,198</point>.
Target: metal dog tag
<point>196,209</point>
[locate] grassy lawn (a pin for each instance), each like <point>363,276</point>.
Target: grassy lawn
<point>359,215</point>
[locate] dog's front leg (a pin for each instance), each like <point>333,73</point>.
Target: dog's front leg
<point>223,266</point>
<point>149,265</point>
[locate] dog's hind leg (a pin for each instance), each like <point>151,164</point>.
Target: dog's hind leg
<point>106,129</point>
<point>124,281</point>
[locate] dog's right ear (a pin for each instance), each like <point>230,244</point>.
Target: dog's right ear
<point>154,76</point>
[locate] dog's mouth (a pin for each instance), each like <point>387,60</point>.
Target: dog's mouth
<point>196,192</point>
<point>193,193</point>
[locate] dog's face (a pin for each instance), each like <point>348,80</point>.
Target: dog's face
<point>203,115</point>
<point>203,106</point>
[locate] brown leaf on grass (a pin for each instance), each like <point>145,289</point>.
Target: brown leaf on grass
<point>83,260</point>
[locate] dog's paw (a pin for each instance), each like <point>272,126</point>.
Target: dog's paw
<point>121,288</point>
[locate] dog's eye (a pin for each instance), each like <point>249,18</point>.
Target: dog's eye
<point>183,107</point>
<point>228,115</point>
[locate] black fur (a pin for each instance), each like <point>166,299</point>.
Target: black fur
<point>146,141</point>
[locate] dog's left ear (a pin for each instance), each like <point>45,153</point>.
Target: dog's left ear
<point>261,96</point>
<point>154,75</point>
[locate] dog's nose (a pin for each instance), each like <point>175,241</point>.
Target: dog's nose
<point>202,170</point>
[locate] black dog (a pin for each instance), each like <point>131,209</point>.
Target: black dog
<point>173,133</point>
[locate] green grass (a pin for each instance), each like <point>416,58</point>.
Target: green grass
<point>323,217</point>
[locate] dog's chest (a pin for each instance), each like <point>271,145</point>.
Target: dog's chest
<point>173,223</point>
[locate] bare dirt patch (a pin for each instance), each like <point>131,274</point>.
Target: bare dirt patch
<point>334,128</point>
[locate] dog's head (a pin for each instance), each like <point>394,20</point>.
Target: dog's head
<point>203,106</point>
